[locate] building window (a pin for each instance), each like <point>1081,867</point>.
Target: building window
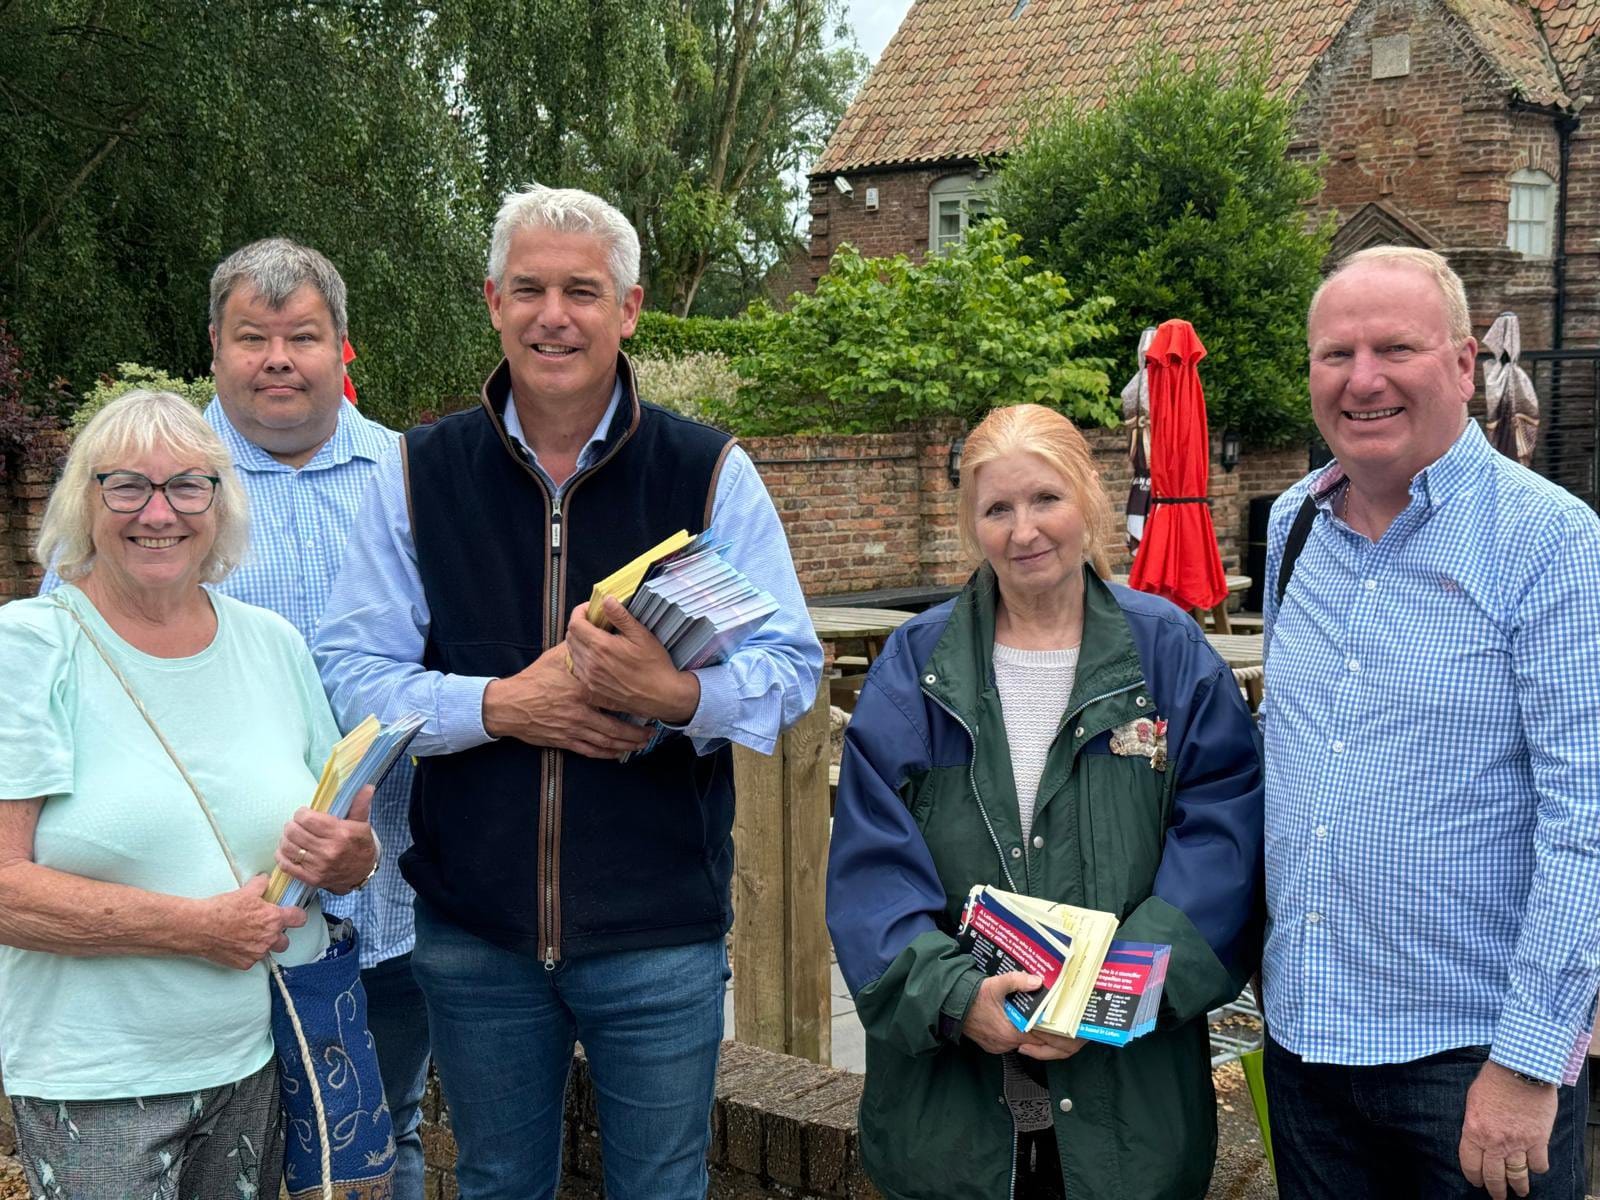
<point>954,203</point>
<point>1531,214</point>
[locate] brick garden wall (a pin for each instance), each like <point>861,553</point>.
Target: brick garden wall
<point>862,512</point>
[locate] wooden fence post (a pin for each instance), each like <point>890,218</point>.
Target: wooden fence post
<point>781,992</point>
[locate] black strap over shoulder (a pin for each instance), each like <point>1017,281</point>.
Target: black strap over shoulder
<point>1298,533</point>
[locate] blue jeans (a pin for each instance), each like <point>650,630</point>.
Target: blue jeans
<point>503,1031</point>
<point>1391,1132</point>
<point>398,1018</point>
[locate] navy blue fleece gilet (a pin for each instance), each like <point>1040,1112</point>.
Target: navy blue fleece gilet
<point>542,851</point>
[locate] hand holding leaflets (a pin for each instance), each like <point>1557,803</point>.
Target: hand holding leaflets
<point>1090,986</point>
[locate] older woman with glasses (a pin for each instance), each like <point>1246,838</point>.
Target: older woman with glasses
<point>134,1020</point>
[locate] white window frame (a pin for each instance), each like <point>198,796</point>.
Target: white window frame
<point>961,197</point>
<point>1531,213</point>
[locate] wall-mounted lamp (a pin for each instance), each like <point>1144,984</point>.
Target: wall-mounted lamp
<point>1230,449</point>
<point>954,465</point>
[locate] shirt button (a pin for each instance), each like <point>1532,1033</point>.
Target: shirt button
<point>1338,747</point>
<point>1065,1105</point>
<point>1372,585</point>
<point>1354,664</point>
<point>1016,852</point>
<point>1038,843</point>
<point>1322,831</point>
<point>1314,917</point>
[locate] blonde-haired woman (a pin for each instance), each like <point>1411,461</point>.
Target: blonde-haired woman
<point>1049,733</point>
<point>134,1023</point>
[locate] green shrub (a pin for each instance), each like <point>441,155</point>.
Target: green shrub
<point>1178,199</point>
<point>884,343</point>
<point>129,377</point>
<point>691,385</point>
<point>662,335</point>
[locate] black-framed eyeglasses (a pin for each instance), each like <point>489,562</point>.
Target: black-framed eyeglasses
<point>128,491</point>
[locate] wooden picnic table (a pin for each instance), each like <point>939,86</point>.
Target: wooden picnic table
<point>1244,653</point>
<point>870,625</point>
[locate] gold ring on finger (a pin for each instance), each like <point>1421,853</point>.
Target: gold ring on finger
<point>301,857</point>
<point>1516,1168</point>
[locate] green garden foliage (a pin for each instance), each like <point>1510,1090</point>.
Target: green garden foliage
<point>25,431</point>
<point>662,335</point>
<point>1178,199</point>
<point>884,343</point>
<point>692,384</point>
<point>144,139</point>
<point>132,377</point>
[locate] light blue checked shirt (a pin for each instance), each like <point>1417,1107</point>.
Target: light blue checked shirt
<point>370,646</point>
<point>298,523</point>
<point>1432,736</point>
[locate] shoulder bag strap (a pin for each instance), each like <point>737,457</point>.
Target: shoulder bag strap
<point>1298,533</point>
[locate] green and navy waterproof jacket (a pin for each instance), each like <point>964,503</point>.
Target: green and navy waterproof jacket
<point>927,808</point>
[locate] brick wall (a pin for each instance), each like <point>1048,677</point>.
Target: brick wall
<point>1435,147</point>
<point>23,494</point>
<point>862,512</point>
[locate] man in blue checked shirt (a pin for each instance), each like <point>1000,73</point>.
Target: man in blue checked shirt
<point>563,894</point>
<point>1433,775</point>
<point>305,456</point>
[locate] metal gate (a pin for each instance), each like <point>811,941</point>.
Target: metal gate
<point>1567,382</point>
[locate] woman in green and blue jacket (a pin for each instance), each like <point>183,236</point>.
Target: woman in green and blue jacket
<point>1048,733</point>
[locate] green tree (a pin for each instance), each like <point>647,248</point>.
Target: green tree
<point>693,116</point>
<point>150,138</point>
<point>1177,199</point>
<point>885,342</point>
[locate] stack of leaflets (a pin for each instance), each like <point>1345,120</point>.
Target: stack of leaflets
<point>362,756</point>
<point>1095,986</point>
<point>698,606</point>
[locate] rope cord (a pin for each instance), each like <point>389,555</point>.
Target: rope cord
<point>233,866</point>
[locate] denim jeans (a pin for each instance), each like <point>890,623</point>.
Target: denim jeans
<point>1391,1132</point>
<point>398,1018</point>
<point>503,1031</point>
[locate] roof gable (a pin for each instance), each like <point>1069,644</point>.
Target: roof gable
<point>960,78</point>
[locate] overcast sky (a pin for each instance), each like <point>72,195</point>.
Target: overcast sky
<point>875,22</point>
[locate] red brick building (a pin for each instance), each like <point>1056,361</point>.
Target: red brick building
<point>1453,124</point>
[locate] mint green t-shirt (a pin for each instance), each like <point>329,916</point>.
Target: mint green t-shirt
<point>248,718</point>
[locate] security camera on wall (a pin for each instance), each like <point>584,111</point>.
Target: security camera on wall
<point>843,184</point>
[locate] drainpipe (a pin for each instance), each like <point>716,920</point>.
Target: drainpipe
<point>1564,127</point>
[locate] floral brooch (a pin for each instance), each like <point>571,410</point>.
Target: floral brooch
<point>1142,737</point>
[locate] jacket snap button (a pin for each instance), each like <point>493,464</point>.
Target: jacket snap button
<point>1139,701</point>
<point>1016,852</point>
<point>1038,843</point>
<point>1080,730</point>
<point>930,679</point>
<point>1066,1105</point>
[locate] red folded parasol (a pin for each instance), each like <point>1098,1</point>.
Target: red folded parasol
<point>349,384</point>
<point>1178,556</point>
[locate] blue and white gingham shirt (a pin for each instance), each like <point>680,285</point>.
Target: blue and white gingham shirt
<point>1432,735</point>
<point>299,520</point>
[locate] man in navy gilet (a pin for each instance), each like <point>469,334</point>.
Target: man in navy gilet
<point>562,894</point>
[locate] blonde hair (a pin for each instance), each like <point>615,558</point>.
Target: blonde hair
<point>138,423</point>
<point>1046,434</point>
<point>1452,294</point>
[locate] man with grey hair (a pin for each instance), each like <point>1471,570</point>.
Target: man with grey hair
<point>304,456</point>
<point>1432,736</point>
<point>562,894</point>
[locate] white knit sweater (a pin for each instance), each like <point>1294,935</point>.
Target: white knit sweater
<point>1035,687</point>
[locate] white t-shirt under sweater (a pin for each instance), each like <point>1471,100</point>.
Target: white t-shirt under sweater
<point>1035,687</point>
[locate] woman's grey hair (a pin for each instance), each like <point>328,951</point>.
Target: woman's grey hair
<point>566,210</point>
<point>277,268</point>
<point>132,425</point>
<point>1452,293</point>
